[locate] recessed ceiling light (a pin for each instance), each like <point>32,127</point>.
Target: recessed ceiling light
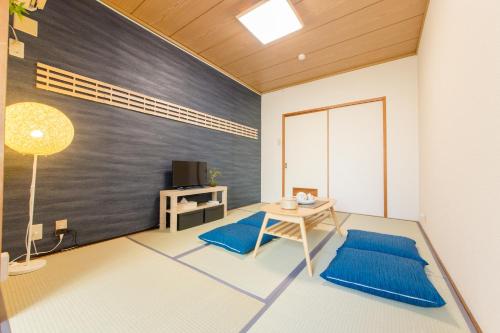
<point>301,57</point>
<point>270,20</point>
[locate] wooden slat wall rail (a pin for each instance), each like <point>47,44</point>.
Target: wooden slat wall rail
<point>71,84</point>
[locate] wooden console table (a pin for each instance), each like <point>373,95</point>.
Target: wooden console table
<point>173,210</point>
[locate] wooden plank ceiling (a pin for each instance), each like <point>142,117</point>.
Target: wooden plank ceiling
<point>338,36</point>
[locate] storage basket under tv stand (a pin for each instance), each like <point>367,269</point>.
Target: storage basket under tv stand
<point>173,195</point>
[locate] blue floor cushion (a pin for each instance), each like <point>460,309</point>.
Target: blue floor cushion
<point>256,220</point>
<point>390,244</point>
<point>235,237</point>
<point>383,275</point>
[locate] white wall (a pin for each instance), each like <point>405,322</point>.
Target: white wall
<point>398,81</point>
<point>459,106</point>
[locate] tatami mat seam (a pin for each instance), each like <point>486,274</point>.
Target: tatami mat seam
<point>273,296</point>
<point>185,253</point>
<point>260,299</point>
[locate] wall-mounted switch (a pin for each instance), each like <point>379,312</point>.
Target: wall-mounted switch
<point>36,231</point>
<point>27,25</point>
<point>16,48</point>
<point>41,4</point>
<point>61,224</point>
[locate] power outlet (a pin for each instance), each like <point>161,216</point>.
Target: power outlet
<point>36,232</point>
<point>62,224</point>
<point>16,48</point>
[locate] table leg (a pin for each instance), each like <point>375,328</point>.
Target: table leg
<point>261,234</point>
<point>173,214</point>
<point>163,213</point>
<point>306,247</point>
<point>336,220</point>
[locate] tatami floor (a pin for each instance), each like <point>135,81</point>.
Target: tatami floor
<point>162,282</point>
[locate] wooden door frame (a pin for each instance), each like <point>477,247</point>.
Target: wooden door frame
<point>4,39</point>
<point>382,99</point>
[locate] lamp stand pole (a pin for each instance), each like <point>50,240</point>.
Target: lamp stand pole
<point>29,265</point>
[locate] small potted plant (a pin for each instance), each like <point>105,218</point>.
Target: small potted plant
<point>17,7</point>
<point>213,173</point>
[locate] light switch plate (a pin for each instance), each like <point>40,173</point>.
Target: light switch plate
<point>16,48</point>
<point>62,224</point>
<point>36,231</point>
<point>27,25</point>
<point>41,4</point>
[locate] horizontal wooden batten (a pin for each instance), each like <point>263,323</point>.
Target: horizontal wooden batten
<point>375,40</point>
<point>390,53</point>
<point>333,30</point>
<point>357,24</point>
<point>75,85</point>
<point>313,13</point>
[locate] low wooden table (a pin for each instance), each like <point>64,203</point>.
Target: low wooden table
<point>294,224</point>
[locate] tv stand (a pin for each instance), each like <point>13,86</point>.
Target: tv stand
<point>173,195</point>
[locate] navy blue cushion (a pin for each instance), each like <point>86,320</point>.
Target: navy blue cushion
<point>235,237</point>
<point>390,244</point>
<point>383,275</point>
<point>256,220</point>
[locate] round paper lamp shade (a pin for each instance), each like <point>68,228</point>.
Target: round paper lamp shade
<point>37,129</point>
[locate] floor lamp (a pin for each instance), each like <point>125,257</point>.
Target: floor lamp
<point>39,130</point>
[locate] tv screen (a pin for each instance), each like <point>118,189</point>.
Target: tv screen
<point>189,173</point>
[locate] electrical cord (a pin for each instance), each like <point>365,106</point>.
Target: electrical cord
<point>25,244</point>
<point>34,246</point>
<point>75,241</point>
<point>36,253</point>
<point>14,32</point>
<point>61,236</point>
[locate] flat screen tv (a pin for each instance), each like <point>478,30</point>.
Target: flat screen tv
<point>189,173</point>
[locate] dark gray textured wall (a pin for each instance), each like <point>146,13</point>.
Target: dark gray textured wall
<point>106,183</point>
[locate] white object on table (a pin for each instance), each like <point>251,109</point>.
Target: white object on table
<point>184,204</point>
<point>288,203</point>
<point>305,199</point>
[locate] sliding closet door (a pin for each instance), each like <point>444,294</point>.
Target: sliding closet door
<point>306,152</point>
<point>357,158</point>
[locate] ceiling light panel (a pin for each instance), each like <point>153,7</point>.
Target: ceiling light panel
<point>271,20</point>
